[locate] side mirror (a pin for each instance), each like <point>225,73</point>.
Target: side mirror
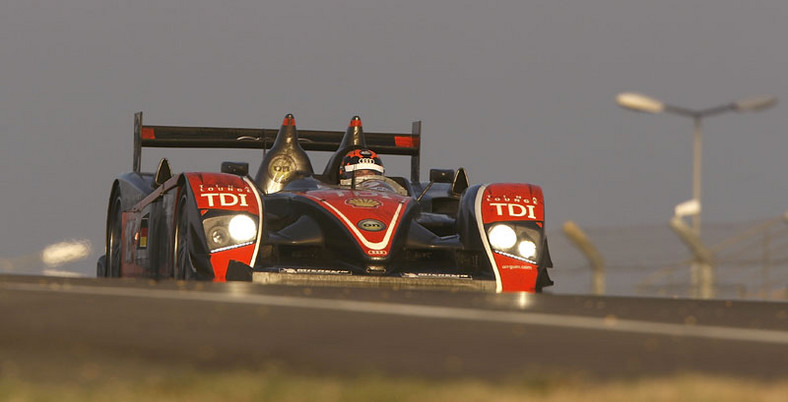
<point>460,182</point>
<point>236,168</point>
<point>441,175</point>
<point>163,172</point>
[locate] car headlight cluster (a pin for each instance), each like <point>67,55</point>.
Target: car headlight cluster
<point>513,241</point>
<point>229,231</point>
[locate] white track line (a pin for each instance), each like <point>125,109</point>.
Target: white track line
<point>422,311</point>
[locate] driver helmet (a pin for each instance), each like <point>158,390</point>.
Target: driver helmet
<point>357,163</point>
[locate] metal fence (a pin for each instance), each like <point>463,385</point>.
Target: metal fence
<point>750,260</point>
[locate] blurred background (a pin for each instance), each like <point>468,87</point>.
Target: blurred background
<point>512,91</point>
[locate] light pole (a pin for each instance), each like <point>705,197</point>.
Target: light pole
<point>642,103</point>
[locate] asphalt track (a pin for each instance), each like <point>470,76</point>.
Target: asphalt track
<point>386,331</point>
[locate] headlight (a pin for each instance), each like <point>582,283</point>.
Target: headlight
<point>229,231</point>
<point>502,236</point>
<point>242,228</point>
<point>527,249</point>
<point>518,240</point>
<point>219,237</point>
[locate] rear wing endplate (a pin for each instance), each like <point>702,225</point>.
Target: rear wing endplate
<point>263,138</point>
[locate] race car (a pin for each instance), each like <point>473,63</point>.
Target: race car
<point>349,225</point>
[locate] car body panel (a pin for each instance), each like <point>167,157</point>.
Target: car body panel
<point>372,217</point>
<point>226,192</point>
<point>506,203</point>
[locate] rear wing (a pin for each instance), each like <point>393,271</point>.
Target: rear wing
<point>263,138</point>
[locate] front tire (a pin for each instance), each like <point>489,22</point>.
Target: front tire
<point>183,268</point>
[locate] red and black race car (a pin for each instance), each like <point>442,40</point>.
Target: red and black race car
<point>349,225</point>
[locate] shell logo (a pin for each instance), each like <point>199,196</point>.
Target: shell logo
<point>363,202</point>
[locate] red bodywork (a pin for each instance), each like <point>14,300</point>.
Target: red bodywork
<point>509,203</point>
<point>372,217</point>
<point>230,193</point>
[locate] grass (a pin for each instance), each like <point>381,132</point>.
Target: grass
<point>95,383</point>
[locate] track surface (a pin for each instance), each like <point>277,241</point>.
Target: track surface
<point>404,332</point>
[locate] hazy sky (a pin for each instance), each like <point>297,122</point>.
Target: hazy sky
<point>511,90</point>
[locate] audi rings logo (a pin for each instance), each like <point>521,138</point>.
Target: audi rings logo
<point>371,225</point>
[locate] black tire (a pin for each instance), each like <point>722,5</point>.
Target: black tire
<point>182,267</point>
<point>114,229</point>
<point>101,267</point>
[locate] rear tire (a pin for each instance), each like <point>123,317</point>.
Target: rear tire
<point>114,231</point>
<point>101,267</point>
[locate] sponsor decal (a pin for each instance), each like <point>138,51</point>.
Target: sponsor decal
<point>378,253</point>
<point>371,225</point>
<point>511,198</point>
<point>434,275</point>
<point>512,202</point>
<point>142,241</point>
<point>505,266</point>
<point>514,210</point>
<point>314,271</point>
<point>516,206</point>
<point>211,188</point>
<point>226,199</point>
<point>281,167</point>
<point>363,202</point>
<point>224,195</point>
